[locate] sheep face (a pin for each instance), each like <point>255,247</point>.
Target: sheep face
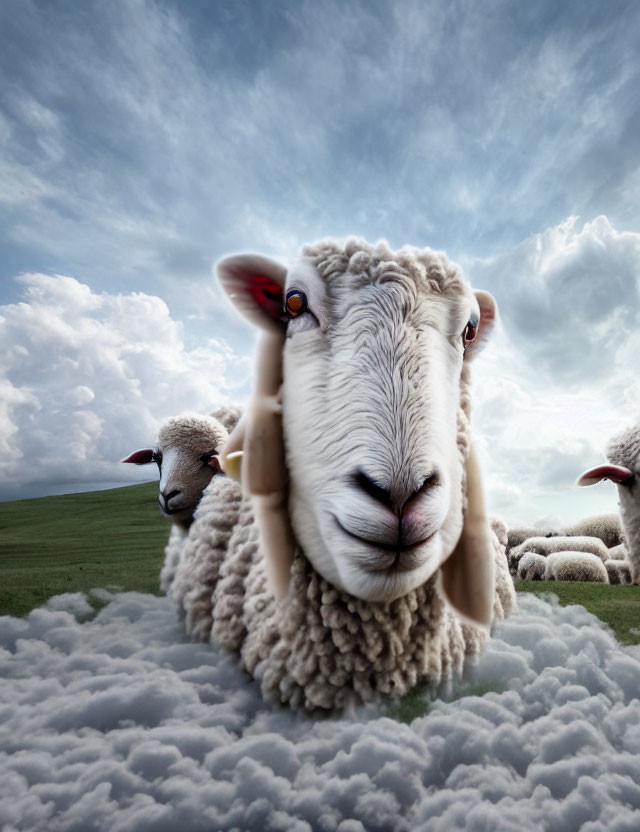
<point>375,432</point>
<point>186,454</point>
<point>370,405</point>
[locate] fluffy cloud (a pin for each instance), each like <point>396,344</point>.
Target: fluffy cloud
<point>118,723</point>
<point>561,377</point>
<point>87,377</point>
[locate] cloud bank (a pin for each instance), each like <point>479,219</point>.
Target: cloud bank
<point>561,377</point>
<point>119,724</point>
<point>86,377</point>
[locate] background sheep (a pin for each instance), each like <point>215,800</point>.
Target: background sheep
<point>575,566</point>
<point>186,453</point>
<point>531,567</point>
<point>518,534</point>
<point>623,454</point>
<point>382,521</point>
<point>546,545</point>
<point>618,571</point>
<point>605,526</point>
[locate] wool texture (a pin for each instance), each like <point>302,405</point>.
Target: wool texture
<point>618,571</point>
<point>575,566</point>
<point>625,450</point>
<point>192,432</point>
<point>320,648</point>
<point>531,567</point>
<point>546,545</point>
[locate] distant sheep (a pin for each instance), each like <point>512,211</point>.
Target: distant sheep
<point>186,453</point>
<point>359,560</point>
<point>575,566</point>
<point>546,545</point>
<point>618,571</point>
<point>623,453</point>
<point>605,526</point>
<point>531,567</point>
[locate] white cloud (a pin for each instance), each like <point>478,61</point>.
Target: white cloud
<point>88,377</point>
<point>561,377</point>
<point>119,723</point>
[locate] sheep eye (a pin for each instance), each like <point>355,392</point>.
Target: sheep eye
<point>295,304</point>
<point>471,330</point>
<point>210,458</point>
<point>157,458</point>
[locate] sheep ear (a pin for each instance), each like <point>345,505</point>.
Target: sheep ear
<point>256,447</point>
<point>141,457</point>
<point>468,574</point>
<point>255,285</point>
<point>616,473</point>
<point>488,309</point>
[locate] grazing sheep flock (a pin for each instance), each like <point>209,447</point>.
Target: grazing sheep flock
<point>355,558</point>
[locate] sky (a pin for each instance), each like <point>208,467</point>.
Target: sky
<point>115,722</point>
<point>142,141</point>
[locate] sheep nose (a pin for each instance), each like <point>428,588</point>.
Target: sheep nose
<point>168,497</point>
<point>398,500</point>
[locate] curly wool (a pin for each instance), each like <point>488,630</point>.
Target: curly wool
<point>192,432</point>
<point>320,648</point>
<point>228,416</point>
<point>575,566</point>
<point>172,555</point>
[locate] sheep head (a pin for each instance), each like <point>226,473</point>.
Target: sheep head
<point>623,468</point>
<point>186,453</point>
<point>372,348</point>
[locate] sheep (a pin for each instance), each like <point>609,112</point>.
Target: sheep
<point>618,552</point>
<point>518,534</point>
<point>186,453</point>
<point>605,526</point>
<point>531,567</point>
<point>575,566</point>
<point>623,453</point>
<point>357,559</point>
<point>618,571</point>
<point>546,545</point>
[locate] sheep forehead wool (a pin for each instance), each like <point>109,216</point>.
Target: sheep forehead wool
<point>192,432</point>
<point>371,263</point>
<point>624,449</point>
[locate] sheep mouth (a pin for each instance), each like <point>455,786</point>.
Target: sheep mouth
<point>398,557</point>
<point>171,512</point>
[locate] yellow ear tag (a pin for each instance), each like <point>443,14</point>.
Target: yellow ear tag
<point>233,465</point>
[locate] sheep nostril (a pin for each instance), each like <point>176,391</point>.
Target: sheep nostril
<point>381,495</point>
<point>167,497</point>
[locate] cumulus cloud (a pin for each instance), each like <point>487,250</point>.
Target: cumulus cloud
<point>118,723</point>
<point>561,377</point>
<point>87,377</point>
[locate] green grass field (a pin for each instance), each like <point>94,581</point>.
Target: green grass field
<point>115,538</point>
<point>74,542</point>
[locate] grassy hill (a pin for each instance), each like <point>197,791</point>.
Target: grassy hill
<point>75,542</point>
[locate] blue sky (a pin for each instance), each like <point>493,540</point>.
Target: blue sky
<point>141,141</point>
